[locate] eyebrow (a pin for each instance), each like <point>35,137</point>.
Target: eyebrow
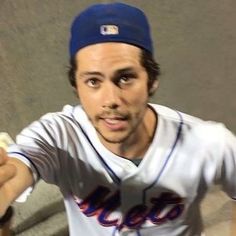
<point>91,73</point>
<point>118,72</point>
<point>125,70</point>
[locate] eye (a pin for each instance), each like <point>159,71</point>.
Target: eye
<point>93,82</point>
<point>126,79</point>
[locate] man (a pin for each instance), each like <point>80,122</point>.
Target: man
<point>124,166</point>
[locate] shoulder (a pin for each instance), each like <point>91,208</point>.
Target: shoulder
<point>53,124</point>
<point>175,115</point>
<point>67,114</point>
<point>67,111</point>
<point>208,132</point>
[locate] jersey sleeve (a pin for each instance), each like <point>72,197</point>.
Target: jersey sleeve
<point>37,147</point>
<point>227,167</point>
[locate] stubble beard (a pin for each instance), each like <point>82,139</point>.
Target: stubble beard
<point>123,139</point>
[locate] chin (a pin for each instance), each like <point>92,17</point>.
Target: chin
<point>113,138</point>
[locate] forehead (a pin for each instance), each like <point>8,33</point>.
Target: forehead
<point>107,55</point>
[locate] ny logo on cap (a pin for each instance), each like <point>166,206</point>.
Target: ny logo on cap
<point>109,30</point>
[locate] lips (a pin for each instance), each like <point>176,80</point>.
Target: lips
<point>115,123</point>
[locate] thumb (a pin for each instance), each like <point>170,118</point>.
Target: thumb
<point>3,156</point>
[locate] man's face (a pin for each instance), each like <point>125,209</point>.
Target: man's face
<point>112,87</point>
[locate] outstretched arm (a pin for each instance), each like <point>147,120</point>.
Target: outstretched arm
<point>5,223</point>
<point>233,230</point>
<point>15,177</point>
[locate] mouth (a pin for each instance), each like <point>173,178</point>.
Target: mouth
<point>115,123</point>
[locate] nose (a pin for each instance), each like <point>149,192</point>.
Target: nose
<point>111,95</point>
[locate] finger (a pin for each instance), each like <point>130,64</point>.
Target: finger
<point>7,172</point>
<point>3,156</point>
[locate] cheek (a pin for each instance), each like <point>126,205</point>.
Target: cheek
<point>88,102</point>
<point>138,97</point>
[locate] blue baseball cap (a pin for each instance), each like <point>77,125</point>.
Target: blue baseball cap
<point>110,22</point>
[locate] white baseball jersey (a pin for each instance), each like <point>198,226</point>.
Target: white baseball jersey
<point>108,195</point>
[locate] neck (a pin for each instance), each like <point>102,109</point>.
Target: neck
<point>138,143</point>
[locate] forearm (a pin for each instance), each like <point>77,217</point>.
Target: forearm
<point>233,229</point>
<point>5,230</point>
<point>13,187</point>
<point>15,178</point>
<point>5,222</point>
<point>22,180</point>
<point>10,189</point>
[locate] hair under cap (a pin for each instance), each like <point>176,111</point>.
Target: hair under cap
<point>112,22</point>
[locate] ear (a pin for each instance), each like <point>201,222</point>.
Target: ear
<point>153,87</point>
<point>75,92</point>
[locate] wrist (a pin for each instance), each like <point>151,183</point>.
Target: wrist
<point>6,217</point>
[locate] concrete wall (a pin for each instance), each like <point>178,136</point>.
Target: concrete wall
<point>194,42</point>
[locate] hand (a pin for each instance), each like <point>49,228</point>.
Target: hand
<point>7,172</point>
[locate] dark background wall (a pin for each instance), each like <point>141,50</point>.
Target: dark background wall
<point>195,44</point>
